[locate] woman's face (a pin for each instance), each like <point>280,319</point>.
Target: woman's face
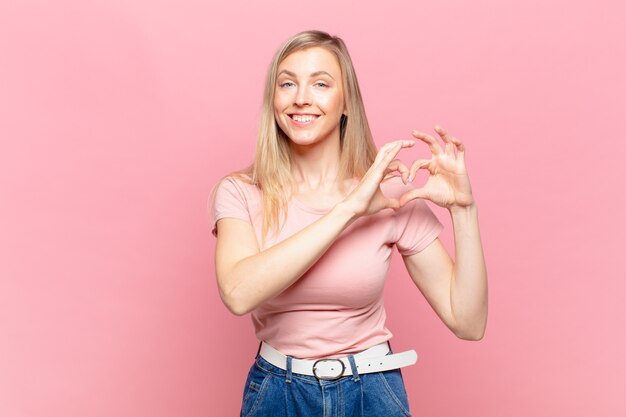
<point>308,101</point>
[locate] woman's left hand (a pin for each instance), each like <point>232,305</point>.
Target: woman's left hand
<point>448,184</point>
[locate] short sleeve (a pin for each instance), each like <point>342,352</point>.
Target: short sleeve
<point>416,227</point>
<point>228,200</point>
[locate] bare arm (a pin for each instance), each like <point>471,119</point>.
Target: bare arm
<point>247,277</point>
<point>456,291</point>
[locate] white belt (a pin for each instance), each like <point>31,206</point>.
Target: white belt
<point>374,359</point>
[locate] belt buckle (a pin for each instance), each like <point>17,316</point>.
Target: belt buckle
<point>329,378</point>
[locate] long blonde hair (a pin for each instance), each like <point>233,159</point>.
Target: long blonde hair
<point>271,169</point>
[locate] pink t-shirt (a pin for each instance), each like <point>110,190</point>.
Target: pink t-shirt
<point>336,308</point>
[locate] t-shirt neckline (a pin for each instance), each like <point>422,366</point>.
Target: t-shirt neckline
<point>306,207</point>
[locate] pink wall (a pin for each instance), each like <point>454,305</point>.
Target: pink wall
<point>117,117</point>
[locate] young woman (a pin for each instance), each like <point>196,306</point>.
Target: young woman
<point>305,235</point>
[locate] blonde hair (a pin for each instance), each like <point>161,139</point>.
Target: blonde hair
<point>271,169</point>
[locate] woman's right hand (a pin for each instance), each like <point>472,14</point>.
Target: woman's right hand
<point>367,198</point>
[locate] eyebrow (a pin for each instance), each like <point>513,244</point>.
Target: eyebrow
<point>313,74</point>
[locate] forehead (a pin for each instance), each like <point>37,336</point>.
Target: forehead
<point>310,60</point>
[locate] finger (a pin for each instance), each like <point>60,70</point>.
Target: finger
<point>417,165</point>
<point>385,155</point>
<point>433,145</point>
<point>390,150</point>
<point>443,133</point>
<point>460,147</point>
<point>395,143</point>
<point>448,138</point>
<point>390,176</point>
<point>412,195</point>
<point>391,147</point>
<point>397,165</point>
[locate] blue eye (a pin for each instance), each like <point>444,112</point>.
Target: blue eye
<point>321,84</point>
<point>287,84</point>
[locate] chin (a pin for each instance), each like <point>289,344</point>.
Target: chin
<point>304,141</point>
<point>301,138</point>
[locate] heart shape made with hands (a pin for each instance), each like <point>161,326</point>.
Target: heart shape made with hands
<point>447,184</point>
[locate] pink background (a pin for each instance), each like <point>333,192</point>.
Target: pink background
<point>117,117</point>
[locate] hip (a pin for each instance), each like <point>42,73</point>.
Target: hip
<point>272,391</point>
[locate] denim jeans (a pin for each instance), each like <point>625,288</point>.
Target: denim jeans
<point>273,392</point>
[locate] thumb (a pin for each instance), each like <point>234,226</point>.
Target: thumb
<point>392,203</point>
<point>412,195</point>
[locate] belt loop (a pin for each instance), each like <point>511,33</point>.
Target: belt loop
<point>355,372</point>
<point>288,378</point>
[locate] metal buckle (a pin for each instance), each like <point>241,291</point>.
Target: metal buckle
<point>329,378</point>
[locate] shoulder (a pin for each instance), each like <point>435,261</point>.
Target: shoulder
<point>237,180</point>
<point>239,183</point>
<point>233,190</point>
<point>232,196</point>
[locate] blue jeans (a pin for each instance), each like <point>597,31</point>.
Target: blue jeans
<point>273,392</point>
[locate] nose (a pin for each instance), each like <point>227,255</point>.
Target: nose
<point>303,96</point>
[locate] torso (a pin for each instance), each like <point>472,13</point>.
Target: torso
<point>336,307</point>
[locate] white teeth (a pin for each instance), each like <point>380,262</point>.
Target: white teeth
<point>302,118</point>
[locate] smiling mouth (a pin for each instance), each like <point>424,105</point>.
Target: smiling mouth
<point>303,118</point>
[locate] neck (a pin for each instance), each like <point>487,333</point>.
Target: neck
<point>316,166</point>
